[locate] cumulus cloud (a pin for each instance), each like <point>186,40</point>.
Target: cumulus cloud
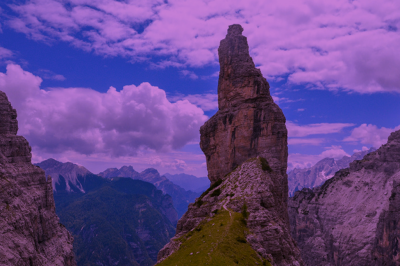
<point>295,130</point>
<point>118,123</point>
<point>334,45</point>
<point>370,134</point>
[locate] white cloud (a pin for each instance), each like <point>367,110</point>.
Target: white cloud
<point>88,122</point>
<point>189,74</point>
<point>349,45</point>
<point>370,134</point>
<point>48,74</point>
<point>295,130</point>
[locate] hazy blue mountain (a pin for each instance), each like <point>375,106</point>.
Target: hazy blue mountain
<point>320,172</point>
<point>117,222</point>
<point>180,196</point>
<point>190,182</point>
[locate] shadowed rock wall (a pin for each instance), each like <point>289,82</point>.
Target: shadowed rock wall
<point>30,232</point>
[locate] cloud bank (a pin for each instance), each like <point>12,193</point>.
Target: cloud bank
<point>334,45</point>
<point>118,123</point>
<point>370,134</point>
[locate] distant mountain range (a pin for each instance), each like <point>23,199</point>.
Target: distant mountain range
<point>190,182</point>
<point>180,196</point>
<point>320,172</point>
<point>118,217</point>
<point>65,177</point>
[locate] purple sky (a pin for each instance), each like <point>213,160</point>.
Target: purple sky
<point>110,83</point>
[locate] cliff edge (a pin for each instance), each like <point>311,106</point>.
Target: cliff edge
<point>30,232</point>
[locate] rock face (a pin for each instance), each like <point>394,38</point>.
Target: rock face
<point>30,232</point>
<point>353,218</point>
<point>320,172</point>
<point>248,122</point>
<point>245,144</point>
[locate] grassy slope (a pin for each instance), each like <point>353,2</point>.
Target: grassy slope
<point>219,242</point>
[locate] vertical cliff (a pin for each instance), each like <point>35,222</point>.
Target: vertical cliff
<point>30,232</point>
<point>242,218</point>
<point>353,219</point>
<point>248,122</point>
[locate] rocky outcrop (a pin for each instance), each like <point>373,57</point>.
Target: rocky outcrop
<point>254,185</point>
<point>353,218</point>
<point>245,144</point>
<point>248,122</point>
<point>30,232</point>
<point>320,172</point>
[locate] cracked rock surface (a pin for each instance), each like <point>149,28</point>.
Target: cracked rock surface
<point>354,218</point>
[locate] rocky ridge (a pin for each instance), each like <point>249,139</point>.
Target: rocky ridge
<point>69,172</point>
<point>30,232</point>
<point>352,219</point>
<point>320,172</point>
<point>245,144</point>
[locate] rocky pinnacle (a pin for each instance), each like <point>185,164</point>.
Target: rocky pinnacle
<point>245,144</point>
<point>30,232</point>
<point>248,122</point>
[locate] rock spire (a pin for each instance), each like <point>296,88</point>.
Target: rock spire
<point>30,232</point>
<point>248,122</point>
<point>245,144</point>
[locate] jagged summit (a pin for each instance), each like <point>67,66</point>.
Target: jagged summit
<point>8,116</point>
<point>239,79</point>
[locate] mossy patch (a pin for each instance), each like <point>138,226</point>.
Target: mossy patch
<point>220,242</point>
<point>265,165</point>
<point>212,186</point>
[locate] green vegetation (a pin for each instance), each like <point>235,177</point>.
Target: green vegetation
<point>212,186</point>
<point>245,214</point>
<point>216,193</point>
<point>264,165</point>
<point>220,242</point>
<point>199,202</point>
